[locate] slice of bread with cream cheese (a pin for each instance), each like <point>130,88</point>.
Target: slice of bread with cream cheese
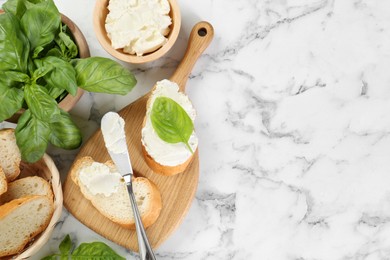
<point>164,157</point>
<point>104,187</point>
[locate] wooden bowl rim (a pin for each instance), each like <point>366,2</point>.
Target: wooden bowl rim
<point>100,13</point>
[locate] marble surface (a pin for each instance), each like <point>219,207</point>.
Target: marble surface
<point>293,102</point>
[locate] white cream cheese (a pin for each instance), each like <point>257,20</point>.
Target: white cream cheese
<point>98,178</point>
<point>138,26</point>
<point>113,132</point>
<point>162,152</point>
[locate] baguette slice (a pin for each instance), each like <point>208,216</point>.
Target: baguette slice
<point>3,182</point>
<point>33,185</point>
<point>117,207</point>
<point>9,154</point>
<point>175,158</point>
<point>21,220</point>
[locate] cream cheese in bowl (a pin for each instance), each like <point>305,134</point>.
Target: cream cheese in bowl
<point>138,26</point>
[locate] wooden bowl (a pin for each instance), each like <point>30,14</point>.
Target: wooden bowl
<point>46,169</point>
<point>100,14</point>
<point>69,101</point>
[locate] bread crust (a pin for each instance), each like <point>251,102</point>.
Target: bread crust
<point>13,192</point>
<point>163,169</point>
<point>9,207</point>
<point>3,182</point>
<point>152,213</point>
<point>9,133</point>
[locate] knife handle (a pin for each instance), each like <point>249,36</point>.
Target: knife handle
<point>145,250</point>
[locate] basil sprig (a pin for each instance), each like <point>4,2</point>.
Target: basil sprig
<point>39,66</point>
<point>94,250</point>
<point>171,122</point>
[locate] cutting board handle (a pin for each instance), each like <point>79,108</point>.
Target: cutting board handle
<point>201,35</point>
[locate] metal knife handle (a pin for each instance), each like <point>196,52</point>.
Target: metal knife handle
<point>145,249</point>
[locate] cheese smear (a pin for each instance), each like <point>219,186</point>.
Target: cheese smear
<point>162,152</point>
<point>98,178</point>
<point>138,26</point>
<point>113,129</point>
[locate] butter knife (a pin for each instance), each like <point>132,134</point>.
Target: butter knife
<point>112,126</point>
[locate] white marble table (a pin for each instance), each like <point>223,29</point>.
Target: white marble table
<point>293,101</point>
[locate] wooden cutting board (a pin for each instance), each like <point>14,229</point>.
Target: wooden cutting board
<point>177,191</point>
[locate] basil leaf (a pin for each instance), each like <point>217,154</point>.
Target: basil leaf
<point>63,75</point>
<point>14,45</point>
<point>16,7</point>
<point>64,133</point>
<point>32,136</point>
<point>98,74</point>
<point>41,72</point>
<point>40,23</point>
<point>11,100</point>
<point>40,103</point>
<point>55,51</point>
<point>55,92</point>
<point>67,45</point>
<point>171,122</point>
<point>95,250</point>
<point>16,76</point>
<point>66,245</point>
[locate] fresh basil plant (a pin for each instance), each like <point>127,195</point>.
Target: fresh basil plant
<point>171,122</point>
<point>39,66</point>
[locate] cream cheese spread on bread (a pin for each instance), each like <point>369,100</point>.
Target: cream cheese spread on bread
<point>113,129</point>
<point>138,26</point>
<point>99,179</point>
<point>164,153</point>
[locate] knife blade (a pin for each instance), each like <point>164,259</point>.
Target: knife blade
<point>112,126</point>
<point>113,130</point>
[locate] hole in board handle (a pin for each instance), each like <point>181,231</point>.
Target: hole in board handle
<point>202,32</point>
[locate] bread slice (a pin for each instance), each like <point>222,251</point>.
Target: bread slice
<point>175,158</point>
<point>3,182</point>
<point>9,154</point>
<point>21,220</point>
<point>164,169</point>
<point>117,207</point>
<point>33,185</point>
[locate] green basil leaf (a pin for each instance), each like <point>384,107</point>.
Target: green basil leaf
<point>16,76</point>
<point>98,74</point>
<point>32,136</point>
<point>66,245</point>
<point>41,72</point>
<point>64,133</point>
<point>171,122</point>
<point>15,7</point>
<point>14,45</point>
<point>40,23</point>
<point>63,75</point>
<point>11,100</point>
<point>95,250</point>
<point>55,92</point>
<point>37,51</point>
<point>67,45</point>
<point>41,104</point>
<point>55,51</point>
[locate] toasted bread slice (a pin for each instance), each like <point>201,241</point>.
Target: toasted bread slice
<point>162,157</point>
<point>9,154</point>
<point>116,206</point>
<point>3,182</point>
<point>21,220</point>
<point>33,185</point>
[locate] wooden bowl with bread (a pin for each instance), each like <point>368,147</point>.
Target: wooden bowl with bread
<point>30,200</point>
